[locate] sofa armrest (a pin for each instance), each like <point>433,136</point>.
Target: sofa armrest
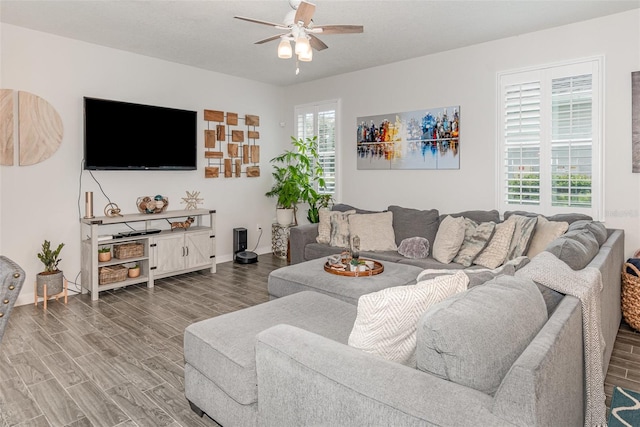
<point>307,379</point>
<point>299,237</point>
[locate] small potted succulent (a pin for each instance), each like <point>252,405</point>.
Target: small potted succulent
<point>51,276</point>
<point>134,271</point>
<point>104,254</point>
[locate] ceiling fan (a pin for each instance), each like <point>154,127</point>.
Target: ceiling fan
<point>300,29</point>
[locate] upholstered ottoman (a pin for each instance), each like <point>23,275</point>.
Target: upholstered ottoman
<point>220,367</point>
<point>310,276</point>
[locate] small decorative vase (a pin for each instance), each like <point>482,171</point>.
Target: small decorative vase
<point>133,272</point>
<point>54,282</point>
<point>104,256</point>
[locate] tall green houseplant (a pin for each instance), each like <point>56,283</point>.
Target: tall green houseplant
<point>296,173</point>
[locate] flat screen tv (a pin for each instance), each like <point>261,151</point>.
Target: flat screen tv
<point>126,136</point>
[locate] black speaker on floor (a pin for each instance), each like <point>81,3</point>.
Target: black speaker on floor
<point>240,254</point>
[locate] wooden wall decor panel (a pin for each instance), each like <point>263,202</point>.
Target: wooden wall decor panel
<point>255,154</point>
<point>6,127</point>
<point>211,172</point>
<point>227,168</point>
<point>251,120</point>
<point>237,136</point>
<point>210,139</point>
<point>232,150</point>
<point>245,154</point>
<point>253,134</point>
<point>232,119</point>
<point>220,133</point>
<point>40,129</point>
<point>213,154</point>
<point>238,168</point>
<point>214,116</point>
<point>253,171</point>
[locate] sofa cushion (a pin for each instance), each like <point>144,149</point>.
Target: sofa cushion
<point>414,247</point>
<point>386,321</point>
<point>341,207</point>
<point>473,338</point>
<point>525,226</point>
<point>598,229</point>
<point>546,232</point>
<point>568,217</point>
<point>374,230</point>
<point>498,248</point>
<point>449,239</point>
<point>339,236</point>
<point>477,215</point>
<point>576,248</point>
<point>415,223</point>
<point>476,238</point>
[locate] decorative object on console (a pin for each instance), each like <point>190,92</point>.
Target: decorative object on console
<point>104,254</point>
<point>192,200</point>
<point>112,210</point>
<point>156,205</point>
<point>182,224</point>
<point>422,139</point>
<point>88,207</point>
<point>134,271</point>
<point>240,151</point>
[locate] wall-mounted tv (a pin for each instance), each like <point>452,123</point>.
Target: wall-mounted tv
<point>126,136</point>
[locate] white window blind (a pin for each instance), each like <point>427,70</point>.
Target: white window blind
<point>320,120</point>
<point>549,140</point>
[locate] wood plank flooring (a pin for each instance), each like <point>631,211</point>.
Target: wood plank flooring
<point>119,362</point>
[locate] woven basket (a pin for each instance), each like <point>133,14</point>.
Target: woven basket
<point>112,274</point>
<point>128,250</point>
<point>631,296</point>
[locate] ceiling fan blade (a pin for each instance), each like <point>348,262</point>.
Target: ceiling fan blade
<point>340,29</point>
<point>305,12</point>
<point>277,36</point>
<point>316,43</point>
<point>257,21</point>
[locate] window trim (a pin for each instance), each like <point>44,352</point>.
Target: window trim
<point>596,210</point>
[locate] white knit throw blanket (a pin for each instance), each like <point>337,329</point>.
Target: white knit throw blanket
<point>586,285</point>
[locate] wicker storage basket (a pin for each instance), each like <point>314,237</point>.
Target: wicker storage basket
<point>112,274</point>
<point>128,250</point>
<point>631,296</point>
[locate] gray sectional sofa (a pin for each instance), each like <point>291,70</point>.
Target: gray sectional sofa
<point>511,351</point>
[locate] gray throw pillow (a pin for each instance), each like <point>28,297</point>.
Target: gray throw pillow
<point>525,227</point>
<point>598,229</point>
<point>413,222</point>
<point>476,238</point>
<point>576,248</point>
<point>477,215</point>
<point>466,339</point>
<point>414,247</point>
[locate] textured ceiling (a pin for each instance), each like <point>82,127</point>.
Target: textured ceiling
<point>204,34</point>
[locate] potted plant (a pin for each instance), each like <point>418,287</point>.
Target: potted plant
<point>104,253</point>
<point>321,201</point>
<point>296,174</point>
<point>134,271</point>
<point>51,276</point>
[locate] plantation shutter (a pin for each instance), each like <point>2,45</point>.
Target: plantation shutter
<point>320,120</point>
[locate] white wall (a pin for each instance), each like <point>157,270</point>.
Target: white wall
<point>467,77</point>
<point>41,201</point>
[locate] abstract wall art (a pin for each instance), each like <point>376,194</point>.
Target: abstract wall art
<point>422,139</point>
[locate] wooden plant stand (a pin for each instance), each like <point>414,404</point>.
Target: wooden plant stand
<point>47,297</point>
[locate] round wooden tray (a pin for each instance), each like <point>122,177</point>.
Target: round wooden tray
<point>377,269</point>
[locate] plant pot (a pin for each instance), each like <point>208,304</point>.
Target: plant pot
<point>53,280</point>
<point>133,272</point>
<point>284,216</point>
<point>104,256</point>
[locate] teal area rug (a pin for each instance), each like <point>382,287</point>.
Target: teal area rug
<point>625,408</point>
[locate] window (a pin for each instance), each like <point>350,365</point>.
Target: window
<point>549,139</point>
<point>321,120</point>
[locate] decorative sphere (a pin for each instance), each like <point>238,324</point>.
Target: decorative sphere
<point>158,197</point>
<point>159,204</point>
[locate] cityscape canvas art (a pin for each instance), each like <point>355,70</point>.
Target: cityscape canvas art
<point>422,139</point>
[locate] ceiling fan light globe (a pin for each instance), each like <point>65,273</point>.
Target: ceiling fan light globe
<point>302,45</point>
<point>306,56</point>
<point>284,49</point>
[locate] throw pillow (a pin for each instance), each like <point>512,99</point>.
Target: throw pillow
<point>598,229</point>
<point>386,320</point>
<point>324,226</point>
<point>339,235</point>
<point>525,226</point>
<point>546,232</point>
<point>414,247</point>
<point>473,338</point>
<point>576,249</point>
<point>449,239</point>
<point>414,223</point>
<point>374,230</point>
<point>476,237</point>
<point>496,251</point>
